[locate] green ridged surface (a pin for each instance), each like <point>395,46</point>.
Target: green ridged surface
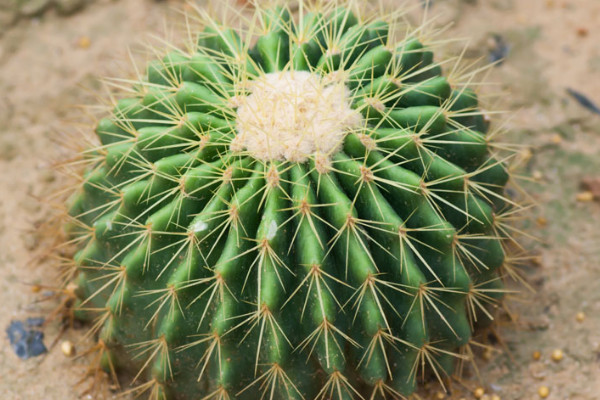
<point>216,275</point>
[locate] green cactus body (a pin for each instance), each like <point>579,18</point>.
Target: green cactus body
<point>308,216</point>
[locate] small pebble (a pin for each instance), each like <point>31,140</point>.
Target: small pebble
<point>479,392</point>
<point>498,49</point>
<point>585,197</point>
<point>536,355</point>
<point>495,397</point>
<point>584,101</point>
<point>26,342</point>
<point>537,175</point>
<point>36,288</point>
<point>556,139</point>
<point>538,370</point>
<point>440,396</point>
<point>582,32</point>
<point>543,392</point>
<point>495,388</point>
<point>557,355</point>
<point>35,321</point>
<point>68,348</point>
<point>580,316</point>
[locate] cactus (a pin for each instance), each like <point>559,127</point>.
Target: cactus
<point>304,208</point>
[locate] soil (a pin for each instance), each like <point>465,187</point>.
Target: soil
<point>51,64</point>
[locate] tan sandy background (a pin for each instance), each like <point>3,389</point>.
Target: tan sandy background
<point>50,63</point>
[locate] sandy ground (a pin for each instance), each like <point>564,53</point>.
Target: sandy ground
<point>46,63</point>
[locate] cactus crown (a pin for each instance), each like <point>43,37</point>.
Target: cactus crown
<point>292,115</point>
<point>304,208</point>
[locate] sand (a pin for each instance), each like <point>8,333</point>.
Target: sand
<point>51,64</point>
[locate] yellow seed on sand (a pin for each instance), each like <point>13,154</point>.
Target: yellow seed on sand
<point>543,392</point>
<point>71,289</point>
<point>536,355</point>
<point>580,316</point>
<point>526,155</point>
<point>479,392</point>
<point>68,348</point>
<point>557,355</point>
<point>488,354</point>
<point>36,288</point>
<point>556,139</point>
<point>541,221</point>
<point>84,42</point>
<point>585,197</point>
